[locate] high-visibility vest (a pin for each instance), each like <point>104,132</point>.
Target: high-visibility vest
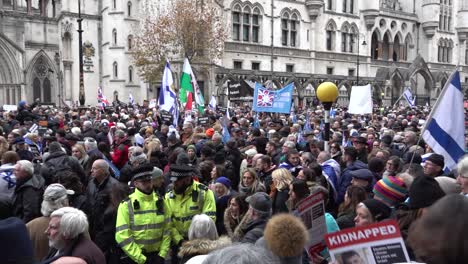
<point>197,199</point>
<point>143,226</point>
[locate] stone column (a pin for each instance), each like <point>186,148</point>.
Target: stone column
<point>67,81</point>
<point>29,6</point>
<point>380,50</point>
<point>17,92</point>
<point>390,51</point>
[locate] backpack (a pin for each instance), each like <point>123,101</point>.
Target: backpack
<point>55,169</point>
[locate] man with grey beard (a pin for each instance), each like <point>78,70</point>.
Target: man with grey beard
<point>66,233</point>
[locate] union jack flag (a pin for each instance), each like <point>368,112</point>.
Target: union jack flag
<point>265,98</point>
<point>102,101</point>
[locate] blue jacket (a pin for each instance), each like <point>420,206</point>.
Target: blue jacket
<point>346,177</point>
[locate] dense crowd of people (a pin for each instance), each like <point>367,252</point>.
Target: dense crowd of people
<point>124,185</point>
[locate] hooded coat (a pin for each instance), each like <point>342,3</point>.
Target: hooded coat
<point>27,198</point>
<point>198,247</point>
<point>345,180</point>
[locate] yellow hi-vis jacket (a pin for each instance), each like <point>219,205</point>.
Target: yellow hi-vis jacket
<point>143,226</point>
<point>197,199</point>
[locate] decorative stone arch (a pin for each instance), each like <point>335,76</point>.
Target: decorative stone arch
<point>236,3</point>
<point>10,72</point>
<point>347,84</point>
<point>345,26</point>
<point>67,27</point>
<point>297,13</point>
<point>41,78</point>
<point>331,24</point>
<point>397,82</point>
<point>287,11</point>
<point>376,51</point>
<point>376,92</point>
<point>387,41</point>
<point>354,27</point>
<point>259,7</point>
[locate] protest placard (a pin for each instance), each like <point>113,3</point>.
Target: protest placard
<point>312,213</point>
<point>167,117</point>
<point>203,121</point>
<point>9,108</point>
<point>379,243</point>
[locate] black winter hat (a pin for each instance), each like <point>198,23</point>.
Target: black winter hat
<point>16,247</point>
<point>378,209</point>
<point>376,165</point>
<point>437,159</point>
<point>424,191</point>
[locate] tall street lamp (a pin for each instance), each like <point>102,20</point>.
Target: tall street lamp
<point>327,93</point>
<point>59,77</point>
<point>364,43</point>
<point>80,42</point>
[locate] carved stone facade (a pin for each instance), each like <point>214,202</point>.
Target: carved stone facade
<point>39,55</point>
<point>389,43</point>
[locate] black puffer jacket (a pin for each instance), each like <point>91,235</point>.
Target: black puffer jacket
<point>27,198</point>
<point>60,161</point>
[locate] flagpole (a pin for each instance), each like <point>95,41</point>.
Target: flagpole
<point>439,99</point>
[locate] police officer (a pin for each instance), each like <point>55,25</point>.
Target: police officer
<point>187,199</point>
<point>143,222</point>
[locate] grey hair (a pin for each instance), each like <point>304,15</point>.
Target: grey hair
<point>242,254</point>
<point>90,144</point>
<point>87,124</point>
<point>73,222</point>
<point>217,136</point>
<point>26,165</point>
<point>47,207</point>
<point>290,144</point>
<point>202,227</point>
<point>462,166</point>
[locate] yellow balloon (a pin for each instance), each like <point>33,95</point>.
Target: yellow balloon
<point>327,92</point>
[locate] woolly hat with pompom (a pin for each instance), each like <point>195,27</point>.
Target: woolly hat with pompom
<point>286,244</point>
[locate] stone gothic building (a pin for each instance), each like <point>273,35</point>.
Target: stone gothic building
<point>39,50</point>
<point>390,44</point>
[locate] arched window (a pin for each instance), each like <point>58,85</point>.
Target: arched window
<point>246,24</point>
<point>375,51</point>
<point>130,42</point>
<point>396,49</point>
<point>444,50</point>
<point>130,74</point>
<point>129,9</point>
<point>445,15</point>
<point>114,37</point>
<point>294,22</point>
<point>289,29</point>
<point>115,70</point>
<point>256,25</point>
<point>330,35</point>
<point>284,29</point>
<point>67,46</point>
<point>345,38</point>
<point>236,23</point>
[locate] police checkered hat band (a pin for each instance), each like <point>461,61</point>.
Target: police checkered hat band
<point>143,175</point>
<point>179,171</point>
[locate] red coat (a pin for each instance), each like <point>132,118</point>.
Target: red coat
<point>120,156</point>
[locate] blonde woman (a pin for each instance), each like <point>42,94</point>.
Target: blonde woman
<point>249,183</point>
<point>282,178</point>
<point>3,145</point>
<point>153,151</point>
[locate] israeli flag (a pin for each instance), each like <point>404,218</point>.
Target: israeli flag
<point>213,102</point>
<point>409,98</point>
<point>131,100</point>
<point>445,126</point>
